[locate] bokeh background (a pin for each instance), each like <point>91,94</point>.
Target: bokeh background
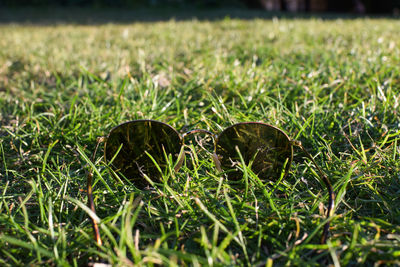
<point>354,6</point>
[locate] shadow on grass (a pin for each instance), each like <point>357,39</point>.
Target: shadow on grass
<point>97,16</point>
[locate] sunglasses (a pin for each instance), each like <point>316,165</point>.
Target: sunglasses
<point>142,150</point>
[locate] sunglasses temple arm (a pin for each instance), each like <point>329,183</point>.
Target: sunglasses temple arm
<point>328,185</point>
<point>90,196</point>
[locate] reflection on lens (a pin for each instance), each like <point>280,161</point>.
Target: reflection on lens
<point>265,147</point>
<point>130,141</point>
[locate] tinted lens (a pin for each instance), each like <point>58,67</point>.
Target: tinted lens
<point>135,139</point>
<point>267,148</point>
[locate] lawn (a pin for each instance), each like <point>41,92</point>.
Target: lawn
<point>333,84</point>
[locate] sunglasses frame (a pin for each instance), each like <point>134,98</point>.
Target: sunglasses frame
<point>293,143</point>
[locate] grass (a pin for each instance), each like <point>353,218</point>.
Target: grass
<point>331,84</point>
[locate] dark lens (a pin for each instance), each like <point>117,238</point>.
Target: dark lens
<point>267,148</point>
<point>135,139</point>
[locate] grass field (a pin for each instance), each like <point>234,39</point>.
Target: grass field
<point>332,84</point>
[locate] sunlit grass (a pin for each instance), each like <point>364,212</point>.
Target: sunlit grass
<point>332,84</point>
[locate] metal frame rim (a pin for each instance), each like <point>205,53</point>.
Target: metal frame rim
<point>135,121</point>
<point>266,125</point>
